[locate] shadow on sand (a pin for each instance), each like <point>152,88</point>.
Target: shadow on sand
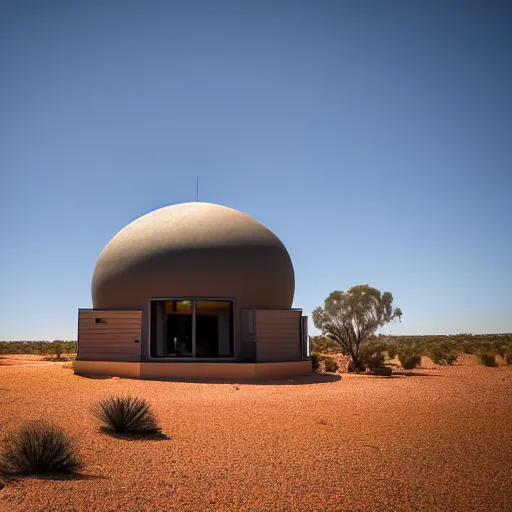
<point>413,374</point>
<point>61,477</point>
<point>136,436</point>
<point>313,378</point>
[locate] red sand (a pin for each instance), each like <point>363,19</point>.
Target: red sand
<point>437,442</point>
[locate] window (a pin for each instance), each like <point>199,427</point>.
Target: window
<point>191,328</point>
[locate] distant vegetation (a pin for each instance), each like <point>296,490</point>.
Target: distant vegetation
<point>442,349</point>
<point>38,347</point>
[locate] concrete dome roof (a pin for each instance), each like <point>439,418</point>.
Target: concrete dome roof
<point>194,250</point>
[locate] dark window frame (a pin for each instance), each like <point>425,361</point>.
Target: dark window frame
<point>194,357</point>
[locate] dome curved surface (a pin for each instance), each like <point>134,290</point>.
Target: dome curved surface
<point>194,250</point>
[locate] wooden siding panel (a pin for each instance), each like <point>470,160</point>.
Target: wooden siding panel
<point>111,333</point>
<point>111,340</point>
<point>278,335</point>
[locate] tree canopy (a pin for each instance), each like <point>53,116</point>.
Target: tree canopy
<point>352,317</point>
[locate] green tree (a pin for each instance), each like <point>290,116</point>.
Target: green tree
<point>58,349</point>
<point>350,318</point>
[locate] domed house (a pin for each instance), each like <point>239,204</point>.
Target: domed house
<point>193,290</point>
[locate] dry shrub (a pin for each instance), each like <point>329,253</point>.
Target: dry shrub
<point>356,367</point>
<point>330,364</point>
<point>409,360</point>
<point>442,355</point>
<point>39,447</point>
<point>372,354</point>
<point>488,360</point>
<point>126,414</point>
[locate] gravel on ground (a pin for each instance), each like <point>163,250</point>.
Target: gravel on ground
<point>440,440</point>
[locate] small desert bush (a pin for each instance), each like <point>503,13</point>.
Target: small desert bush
<point>356,367</point>
<point>330,364</point>
<point>39,447</point>
<point>443,355</point>
<point>126,414</point>
<point>409,360</point>
<point>392,349</point>
<point>322,344</point>
<point>508,358</point>
<point>500,349</point>
<point>372,355</point>
<point>374,361</point>
<point>488,359</point>
<point>315,361</point>
<point>469,348</point>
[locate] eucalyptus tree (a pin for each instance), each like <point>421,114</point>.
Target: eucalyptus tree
<point>351,318</point>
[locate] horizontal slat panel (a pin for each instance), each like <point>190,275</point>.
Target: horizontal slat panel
<point>99,314</point>
<point>264,314</point>
<point>108,313</point>
<point>109,356</point>
<point>112,328</point>
<point>262,337</point>
<point>278,335</point>
<point>102,357</point>
<point>108,350</point>
<point>104,332</point>
<point>119,347</point>
<point>109,321</point>
<point>101,332</point>
<point>278,342</point>
<point>109,327</point>
<point>125,334</point>
<point>276,348</point>
<point>278,322</point>
<point>111,341</point>
<point>107,341</point>
<point>116,321</point>
<point>92,318</point>
<point>277,314</point>
<point>94,335</point>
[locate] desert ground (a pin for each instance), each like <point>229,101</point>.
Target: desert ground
<point>438,440</point>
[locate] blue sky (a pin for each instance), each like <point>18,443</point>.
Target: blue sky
<point>374,138</point>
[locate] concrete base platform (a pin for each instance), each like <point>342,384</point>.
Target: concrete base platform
<point>193,371</point>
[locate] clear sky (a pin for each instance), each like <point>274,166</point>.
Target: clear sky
<point>374,138</point>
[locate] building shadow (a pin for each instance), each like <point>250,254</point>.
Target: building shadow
<point>313,378</point>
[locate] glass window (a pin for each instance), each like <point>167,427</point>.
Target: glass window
<point>214,324</point>
<point>191,328</point>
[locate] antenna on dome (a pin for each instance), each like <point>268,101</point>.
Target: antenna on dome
<point>197,189</point>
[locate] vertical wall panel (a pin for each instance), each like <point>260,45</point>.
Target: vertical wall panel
<point>109,335</point>
<point>247,346</point>
<point>278,335</point>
